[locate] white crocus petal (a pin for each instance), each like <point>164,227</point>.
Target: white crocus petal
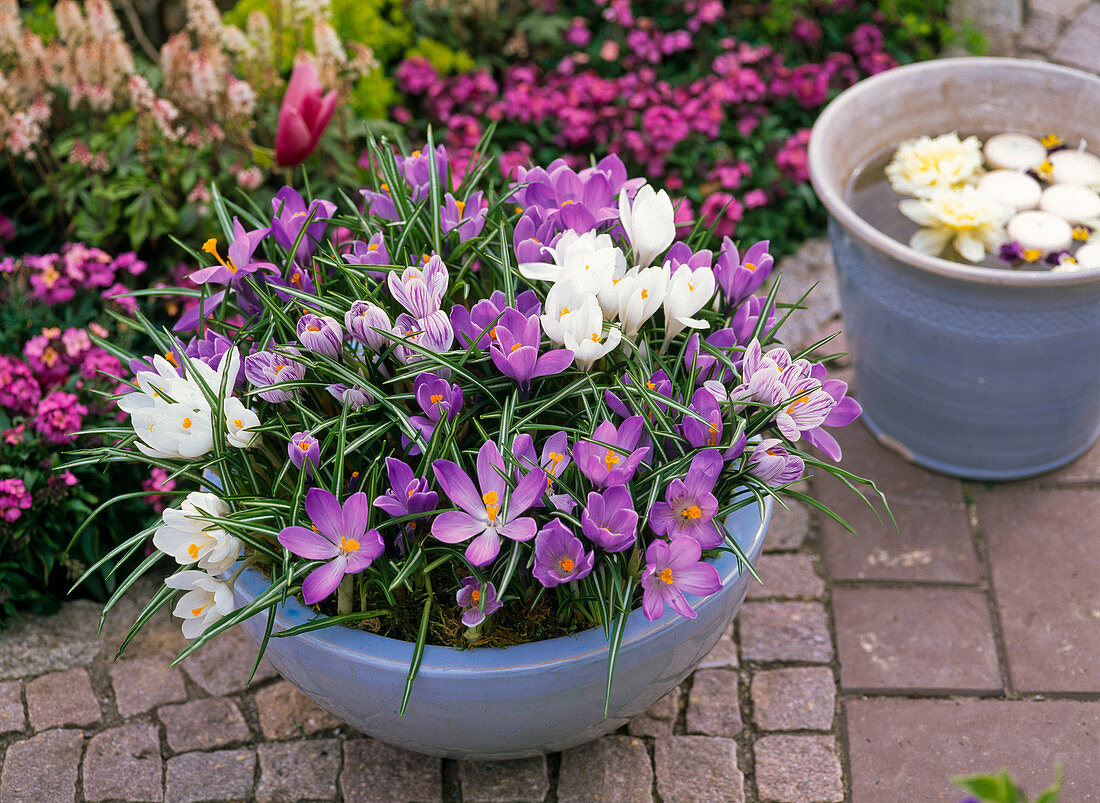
<point>562,300</point>
<point>240,423</point>
<point>717,390</point>
<point>648,222</point>
<point>584,335</point>
<point>688,292</point>
<point>207,600</point>
<point>640,295</point>
<point>591,268</point>
<point>187,535</point>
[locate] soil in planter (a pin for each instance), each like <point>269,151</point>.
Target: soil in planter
<point>870,196</point>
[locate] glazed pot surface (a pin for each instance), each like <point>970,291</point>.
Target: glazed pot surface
<point>983,373</point>
<point>503,703</point>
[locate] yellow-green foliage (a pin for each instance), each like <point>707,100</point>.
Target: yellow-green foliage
<point>445,60</point>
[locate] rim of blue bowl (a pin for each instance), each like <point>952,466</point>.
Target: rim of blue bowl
<point>588,644</point>
<point>833,198</point>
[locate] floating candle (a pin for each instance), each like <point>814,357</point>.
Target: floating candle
<point>1075,167</point>
<point>1041,231</point>
<point>1071,202</point>
<point>1014,152</point>
<point>1088,256</point>
<point>1018,190</point>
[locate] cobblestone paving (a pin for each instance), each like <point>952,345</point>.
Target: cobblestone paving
<point>866,668</point>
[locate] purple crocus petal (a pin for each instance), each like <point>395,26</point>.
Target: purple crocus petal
<point>371,546</point>
<point>325,512</point>
<point>483,550</point>
<point>400,474</point>
<point>523,449</point>
<point>522,529</point>
<point>323,580</point>
<point>825,442</point>
<point>844,413</point>
<point>553,362</point>
<point>391,505</point>
<point>454,526</point>
<point>677,601</point>
<point>699,579</point>
<point>308,544</point>
<point>459,488</point>
<point>356,515</point>
<point>704,470</point>
<point>529,490</point>
<point>490,471</point>
<point>661,518</point>
<point>204,309</point>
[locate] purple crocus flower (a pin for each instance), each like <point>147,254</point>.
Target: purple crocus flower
<point>469,598</point>
<point>238,262</point>
<point>351,397</point>
<point>748,314</point>
<point>479,319</point>
<point>439,399</point>
<point>615,463</point>
<point>321,334</point>
<point>208,350</point>
<point>773,464</point>
<point>658,383</point>
<point>805,405</point>
<point>408,494</point>
<point>266,368</point>
<point>707,365</point>
<point>487,516</point>
<point>341,539</point>
<point>291,214</point>
<point>690,505</point>
<point>845,411</point>
<point>466,217</point>
<point>696,432</point>
<point>533,233</point>
<point>553,460</point>
<point>672,570</point>
<point>433,333</point>
<point>739,277</point>
<point>609,519</point>
<point>380,204</point>
<point>372,252</point>
<point>361,322</point>
<point>297,278</point>
<point>420,289</point>
<point>417,171</point>
<point>680,255</point>
<point>515,350</point>
<point>560,556</point>
<point>304,451</point>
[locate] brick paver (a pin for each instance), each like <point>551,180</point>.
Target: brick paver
<point>504,781</point>
<point>375,772</point>
<point>286,713</point>
<point>714,707</point>
<point>62,698</point>
<point>698,770</point>
<point>660,719</point>
<point>42,768</point>
<point>12,716</point>
<point>299,770</point>
<point>203,724</point>
<point>222,775</point>
<point>611,768</point>
<point>141,684</point>
<point>796,769</point>
<point>785,631</point>
<point>786,577</point>
<point>124,764</point>
<point>799,698</point>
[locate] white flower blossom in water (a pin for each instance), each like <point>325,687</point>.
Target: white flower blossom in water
<point>967,218</point>
<point>922,166</point>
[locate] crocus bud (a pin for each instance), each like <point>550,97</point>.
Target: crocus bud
<point>304,450</point>
<point>321,334</point>
<point>361,321</point>
<point>303,116</point>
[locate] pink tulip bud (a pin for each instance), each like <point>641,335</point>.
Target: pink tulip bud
<point>303,116</point>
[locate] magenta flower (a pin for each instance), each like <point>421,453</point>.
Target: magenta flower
<point>469,599</point>
<point>14,499</point>
<point>658,384</point>
<point>487,516</point>
<point>408,494</point>
<point>266,368</point>
<point>515,349</point>
<point>304,450</point>
<point>740,276</point>
<point>58,417</point>
<point>363,319</point>
<point>773,465</point>
<point>690,505</point>
<point>560,556</point>
<point>238,261</point>
<point>615,462</point>
<point>19,390</point>
<point>321,334</point>
<point>303,116</point>
<point>341,539</point>
<point>478,321</point>
<point>609,519</point>
<point>671,571</point>
<point>439,399</point>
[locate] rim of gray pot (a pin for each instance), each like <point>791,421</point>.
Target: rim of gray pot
<point>833,198</point>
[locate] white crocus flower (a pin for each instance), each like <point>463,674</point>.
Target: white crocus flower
<point>648,222</point>
<point>572,249</point>
<point>183,535</point>
<point>562,300</point>
<point>175,431</point>
<point>640,294</point>
<point>207,600</point>
<point>240,423</point>
<point>584,335</point>
<point>688,292</point>
<point>967,218</point>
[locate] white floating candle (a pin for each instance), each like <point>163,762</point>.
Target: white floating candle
<point>1075,167</point>
<point>1071,202</point>
<point>1014,151</point>
<point>1041,231</point>
<point>1088,256</point>
<point>1018,190</point>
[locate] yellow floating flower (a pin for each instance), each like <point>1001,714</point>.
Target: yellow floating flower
<point>927,164</point>
<point>966,217</point>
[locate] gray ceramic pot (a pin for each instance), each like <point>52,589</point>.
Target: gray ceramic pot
<point>514,702</point>
<point>976,372</point>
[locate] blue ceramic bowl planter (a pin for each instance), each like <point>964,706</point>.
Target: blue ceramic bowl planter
<point>983,373</point>
<point>502,703</point>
